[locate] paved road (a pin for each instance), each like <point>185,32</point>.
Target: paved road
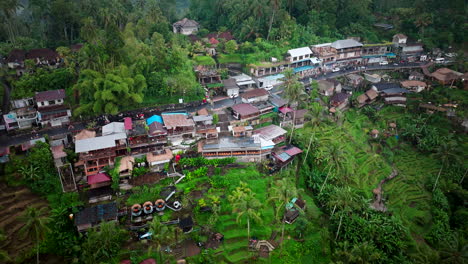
<point>12,140</point>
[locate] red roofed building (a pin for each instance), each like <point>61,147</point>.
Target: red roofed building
<point>99,180</point>
<point>285,155</point>
<point>213,41</point>
<point>128,123</point>
<point>245,111</point>
<point>43,56</point>
<point>255,95</point>
<point>51,108</point>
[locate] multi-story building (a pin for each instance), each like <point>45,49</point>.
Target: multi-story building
<point>178,124</point>
<point>143,139</point>
<point>51,108</point>
<point>95,153</point>
<point>348,51</point>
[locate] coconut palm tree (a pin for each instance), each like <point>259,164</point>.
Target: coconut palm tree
<point>337,160</point>
<point>363,253</point>
<point>160,235</point>
<point>35,226</point>
<point>446,152</point>
<point>283,191</point>
<point>274,9</point>
<point>454,249</point>
<point>293,92</point>
<point>245,204</point>
<point>345,200</point>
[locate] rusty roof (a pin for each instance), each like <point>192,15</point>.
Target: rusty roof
<point>415,83</point>
<point>173,120</point>
<point>126,163</point>
<point>84,134</point>
<point>254,93</point>
<point>150,157</point>
<point>58,152</point>
<point>245,109</point>
<point>50,95</point>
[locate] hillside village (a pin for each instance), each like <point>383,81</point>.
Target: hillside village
<point>185,179</point>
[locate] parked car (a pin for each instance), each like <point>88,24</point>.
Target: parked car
<point>383,63</point>
<point>439,60</point>
<point>336,69</point>
<point>268,87</point>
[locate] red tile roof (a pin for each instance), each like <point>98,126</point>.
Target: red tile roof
<point>57,152</point>
<point>285,109</point>
<point>245,109</point>
<point>214,41</point>
<point>293,151</point>
<point>16,55</point>
<point>254,93</point>
<point>45,53</point>
<point>98,178</point>
<point>50,95</point>
<point>128,123</point>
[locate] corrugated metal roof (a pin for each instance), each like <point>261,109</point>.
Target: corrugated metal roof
<point>346,43</point>
<point>270,132</point>
<point>96,143</point>
<point>299,51</point>
<point>201,118</point>
<point>113,128</point>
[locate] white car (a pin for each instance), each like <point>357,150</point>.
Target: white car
<point>268,87</point>
<point>383,63</point>
<point>335,69</point>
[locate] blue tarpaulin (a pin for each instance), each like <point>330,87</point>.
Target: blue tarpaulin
<point>155,118</point>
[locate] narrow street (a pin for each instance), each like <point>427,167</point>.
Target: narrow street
<point>13,140</point>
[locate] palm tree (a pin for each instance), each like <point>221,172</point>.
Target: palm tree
<point>446,153</point>
<point>337,160</point>
<point>283,191</point>
<point>35,226</point>
<point>363,253</point>
<point>294,91</point>
<point>160,235</point>
<point>29,172</point>
<point>454,249</point>
<point>245,204</point>
<point>344,199</point>
<point>274,9</point>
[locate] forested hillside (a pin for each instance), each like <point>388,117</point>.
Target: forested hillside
<point>300,22</point>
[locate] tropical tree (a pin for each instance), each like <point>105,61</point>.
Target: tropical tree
<point>293,92</point>
<point>245,204</point>
<point>160,235</point>
<point>337,160</point>
<point>29,172</point>
<point>35,226</point>
<point>345,200</point>
<point>446,152</point>
<point>454,249</point>
<point>363,253</point>
<point>103,243</point>
<point>283,191</point>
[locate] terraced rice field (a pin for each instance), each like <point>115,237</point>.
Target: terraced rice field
<point>13,203</point>
<point>405,194</point>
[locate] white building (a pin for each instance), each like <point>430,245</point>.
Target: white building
<point>186,27</point>
<point>299,54</point>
